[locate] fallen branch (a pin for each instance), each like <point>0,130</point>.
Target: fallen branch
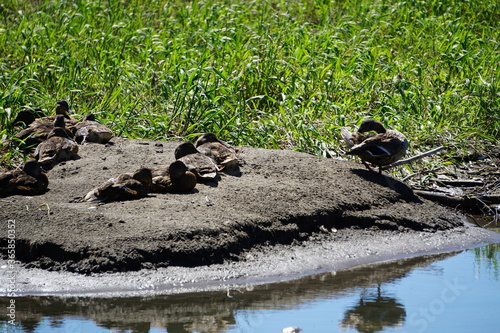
<point>472,203</point>
<point>420,173</point>
<point>414,158</point>
<point>460,182</point>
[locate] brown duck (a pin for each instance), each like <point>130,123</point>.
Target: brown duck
<point>123,187</point>
<point>62,107</point>
<point>57,148</point>
<point>89,130</point>
<point>39,128</point>
<point>221,152</point>
<point>175,178</point>
<point>28,116</point>
<point>31,180</point>
<point>202,166</point>
<point>381,148</point>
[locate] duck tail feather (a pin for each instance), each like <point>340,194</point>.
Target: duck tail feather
<point>347,136</point>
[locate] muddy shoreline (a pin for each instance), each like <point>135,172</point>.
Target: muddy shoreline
<point>281,202</point>
<point>322,253</point>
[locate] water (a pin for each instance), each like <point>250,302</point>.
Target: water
<point>454,292</point>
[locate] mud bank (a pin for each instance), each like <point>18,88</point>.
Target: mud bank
<point>279,199</point>
<point>266,264</point>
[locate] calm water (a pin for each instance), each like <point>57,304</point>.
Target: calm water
<point>455,292</point>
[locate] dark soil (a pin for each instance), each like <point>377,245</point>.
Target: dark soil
<point>279,197</point>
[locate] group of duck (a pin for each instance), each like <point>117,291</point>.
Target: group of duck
<point>199,162</point>
<point>57,138</point>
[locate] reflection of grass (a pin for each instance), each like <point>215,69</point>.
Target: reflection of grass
<point>489,256</point>
<point>268,74</point>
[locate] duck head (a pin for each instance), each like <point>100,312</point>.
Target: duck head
<point>89,117</point>
<point>177,169</point>
<point>59,121</point>
<point>143,175</point>
<point>184,149</point>
<point>62,107</point>
<point>58,131</point>
<point>32,168</point>
<point>368,125</point>
<point>207,137</point>
<point>27,116</point>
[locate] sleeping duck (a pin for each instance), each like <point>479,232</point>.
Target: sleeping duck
<point>381,148</point>
<point>27,116</point>
<point>221,152</point>
<point>201,165</point>
<point>123,187</point>
<point>31,180</point>
<point>57,148</point>
<point>89,130</point>
<point>175,178</point>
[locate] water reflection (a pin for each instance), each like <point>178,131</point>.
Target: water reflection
<point>374,312</point>
<point>218,311</point>
<point>487,256</point>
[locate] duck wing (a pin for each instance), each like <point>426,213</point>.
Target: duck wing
<point>222,154</point>
<point>201,165</point>
<point>381,149</point>
<point>56,149</point>
<point>92,131</point>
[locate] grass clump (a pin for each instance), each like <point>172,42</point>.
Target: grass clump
<point>271,74</point>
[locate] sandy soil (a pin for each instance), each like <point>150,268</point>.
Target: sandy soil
<point>281,203</point>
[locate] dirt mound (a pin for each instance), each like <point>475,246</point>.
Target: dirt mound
<point>279,197</point>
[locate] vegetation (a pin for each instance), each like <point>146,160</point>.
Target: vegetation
<point>273,74</point>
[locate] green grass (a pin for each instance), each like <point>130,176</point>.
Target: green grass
<point>273,74</point>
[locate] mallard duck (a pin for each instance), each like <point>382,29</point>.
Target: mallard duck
<point>89,130</point>
<point>39,128</point>
<point>57,148</point>
<point>175,178</point>
<point>221,152</point>
<point>27,116</point>
<point>31,180</point>
<point>383,148</point>
<point>201,165</point>
<point>123,187</point>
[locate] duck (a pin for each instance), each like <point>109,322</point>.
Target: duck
<point>89,130</point>
<point>31,180</point>
<point>62,107</point>
<point>27,116</point>
<point>58,147</point>
<point>221,152</point>
<point>202,166</point>
<point>381,148</point>
<point>39,127</point>
<point>125,186</point>
<point>38,130</point>
<point>175,178</point>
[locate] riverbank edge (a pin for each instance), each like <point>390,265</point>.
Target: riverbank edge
<point>338,250</point>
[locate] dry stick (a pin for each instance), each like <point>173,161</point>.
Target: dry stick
<point>420,173</point>
<point>414,158</point>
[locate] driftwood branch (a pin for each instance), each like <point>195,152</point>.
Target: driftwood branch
<point>471,203</point>
<point>424,172</point>
<point>414,158</point>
